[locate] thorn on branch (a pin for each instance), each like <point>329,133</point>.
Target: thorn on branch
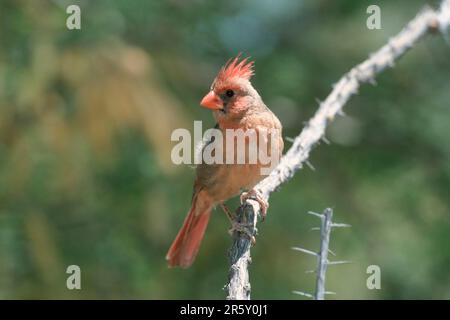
<point>333,263</point>
<point>310,165</point>
<point>324,139</point>
<point>303,294</point>
<point>305,251</point>
<point>289,139</point>
<point>340,225</point>
<point>341,113</point>
<point>315,214</point>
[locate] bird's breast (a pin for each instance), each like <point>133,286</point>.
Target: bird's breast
<point>242,165</point>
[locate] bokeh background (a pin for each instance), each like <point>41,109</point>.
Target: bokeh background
<point>85,170</point>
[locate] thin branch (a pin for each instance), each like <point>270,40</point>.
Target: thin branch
<point>326,225</point>
<point>325,231</point>
<point>427,21</point>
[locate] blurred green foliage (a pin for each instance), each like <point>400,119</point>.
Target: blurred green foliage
<point>85,171</point>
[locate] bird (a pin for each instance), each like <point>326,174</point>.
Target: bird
<point>235,104</point>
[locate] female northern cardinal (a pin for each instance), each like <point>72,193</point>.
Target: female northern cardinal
<point>236,105</point>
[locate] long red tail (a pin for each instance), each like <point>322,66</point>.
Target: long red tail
<point>184,248</point>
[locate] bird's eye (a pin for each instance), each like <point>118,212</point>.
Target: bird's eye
<point>229,93</point>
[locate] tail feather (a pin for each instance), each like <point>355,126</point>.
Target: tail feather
<point>185,247</point>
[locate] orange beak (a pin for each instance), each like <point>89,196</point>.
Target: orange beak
<point>212,101</point>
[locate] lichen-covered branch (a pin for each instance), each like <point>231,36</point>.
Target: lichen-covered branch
<point>427,21</point>
<point>238,286</point>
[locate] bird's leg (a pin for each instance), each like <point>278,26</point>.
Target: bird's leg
<point>255,195</point>
<point>227,212</point>
<point>237,226</point>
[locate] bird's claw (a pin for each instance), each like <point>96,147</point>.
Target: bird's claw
<point>243,228</point>
<point>255,195</point>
